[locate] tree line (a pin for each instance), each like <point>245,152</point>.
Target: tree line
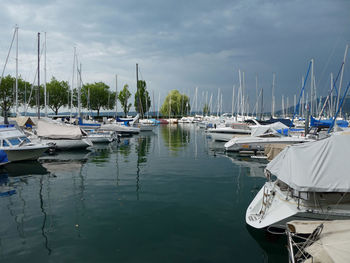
<point>94,96</point>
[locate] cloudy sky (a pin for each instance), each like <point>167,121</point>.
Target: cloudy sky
<point>183,44</point>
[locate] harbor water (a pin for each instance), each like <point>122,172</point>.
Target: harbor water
<point>171,195</point>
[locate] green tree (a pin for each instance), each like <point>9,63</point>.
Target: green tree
<point>142,100</point>
<point>100,97</point>
<point>7,94</point>
<point>175,104</point>
<point>206,109</point>
<point>123,97</point>
<point>57,94</point>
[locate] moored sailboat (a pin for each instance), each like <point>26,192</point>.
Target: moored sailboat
<point>312,183</point>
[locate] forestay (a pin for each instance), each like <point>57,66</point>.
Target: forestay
<point>319,166</point>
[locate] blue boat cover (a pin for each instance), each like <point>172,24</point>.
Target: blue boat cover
<point>327,123</point>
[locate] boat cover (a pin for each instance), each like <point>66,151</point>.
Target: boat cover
<point>319,166</point>
<point>23,121</point>
<point>262,129</point>
<point>333,243</point>
<point>272,150</point>
<point>58,131</point>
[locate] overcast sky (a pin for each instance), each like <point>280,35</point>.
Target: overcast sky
<point>183,44</point>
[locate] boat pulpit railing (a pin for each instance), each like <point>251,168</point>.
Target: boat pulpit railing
<point>267,174</point>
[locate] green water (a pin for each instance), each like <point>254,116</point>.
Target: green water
<point>167,196</point>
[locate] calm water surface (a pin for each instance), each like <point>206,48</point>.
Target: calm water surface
<point>167,196</point>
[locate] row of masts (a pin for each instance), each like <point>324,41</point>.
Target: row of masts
<point>240,102</point>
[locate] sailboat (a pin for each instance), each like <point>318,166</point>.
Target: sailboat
<point>261,136</point>
<point>62,136</point>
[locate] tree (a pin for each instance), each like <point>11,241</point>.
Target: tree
<point>142,99</point>
<point>123,97</point>
<point>7,94</point>
<point>57,93</point>
<point>100,97</point>
<point>175,104</point>
<point>206,110</point>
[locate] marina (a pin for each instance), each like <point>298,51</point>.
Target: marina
<point>170,195</point>
<point>165,131</point>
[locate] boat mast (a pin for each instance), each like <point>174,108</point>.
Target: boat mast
<point>341,76</point>
<point>154,106</point>
<point>38,89</point>
<point>16,29</point>
<point>240,92</point>
<point>312,87</point>
<point>256,96</point>
<point>116,95</point>
<point>218,105</point>
<point>273,95</point>
<point>137,90</point>
<point>45,98</point>
<point>158,105</point>
<point>72,86</point>
<point>79,90</point>
<point>233,99</point>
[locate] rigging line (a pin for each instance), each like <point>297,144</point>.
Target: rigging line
<point>339,108</point>
<point>301,93</point>
<point>8,54</point>
<point>32,86</point>
<point>328,60</point>
<point>333,88</point>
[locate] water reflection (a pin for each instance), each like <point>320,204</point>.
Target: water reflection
<point>256,168</point>
<point>142,147</point>
<point>24,168</point>
<point>43,211</point>
<point>64,162</point>
<point>272,245</point>
<point>175,137</point>
<point>125,148</point>
<point>6,188</point>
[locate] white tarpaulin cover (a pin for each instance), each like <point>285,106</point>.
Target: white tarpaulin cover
<point>320,166</point>
<point>262,129</point>
<point>58,131</point>
<point>333,244</point>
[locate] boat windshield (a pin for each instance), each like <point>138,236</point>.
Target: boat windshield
<point>4,143</point>
<point>14,141</point>
<point>25,139</point>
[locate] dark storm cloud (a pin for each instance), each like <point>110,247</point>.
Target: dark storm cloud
<point>184,44</point>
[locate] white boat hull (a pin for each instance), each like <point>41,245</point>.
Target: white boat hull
<point>281,209</point>
<point>258,143</point>
<point>62,144</point>
<point>120,128</point>
<point>25,153</point>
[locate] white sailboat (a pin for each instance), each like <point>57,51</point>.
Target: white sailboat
<point>312,183</point>
<point>64,137</point>
<point>122,126</point>
<point>261,136</point>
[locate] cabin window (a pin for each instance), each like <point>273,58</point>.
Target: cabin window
<point>14,141</point>
<point>5,144</point>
